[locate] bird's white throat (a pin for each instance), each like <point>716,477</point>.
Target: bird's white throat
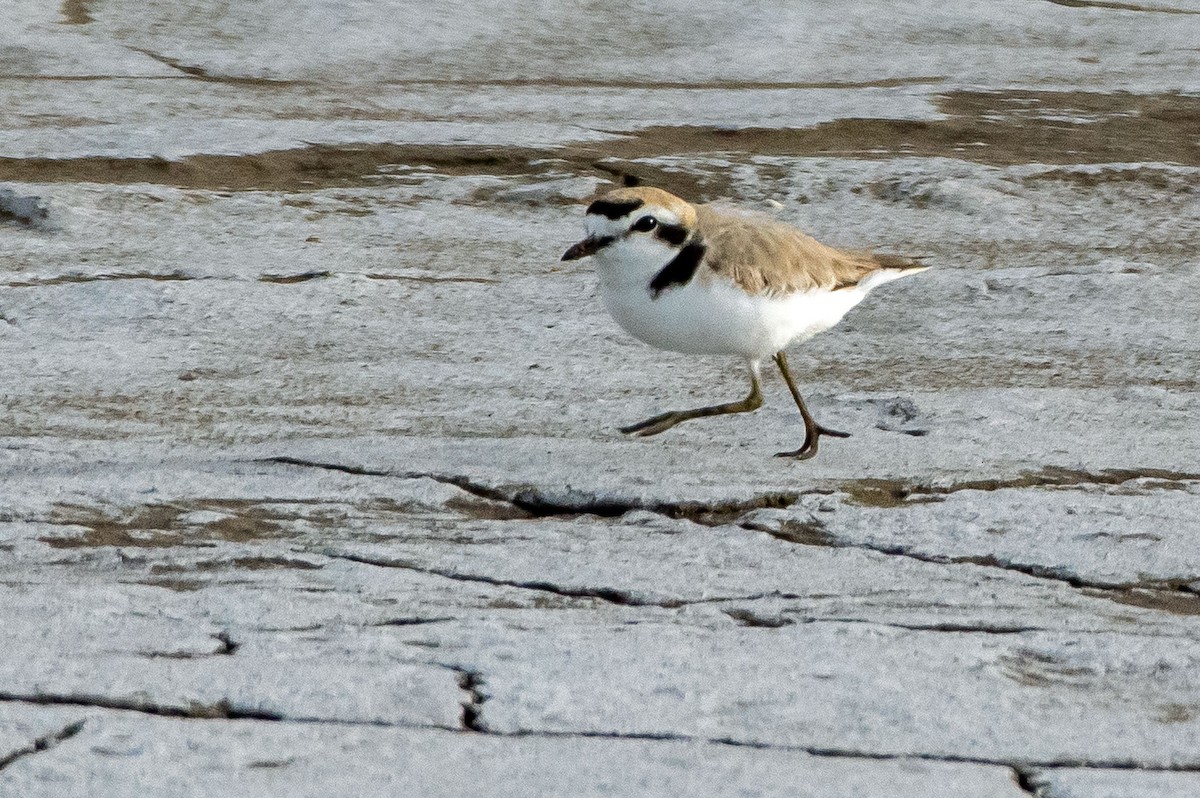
<point>632,262</point>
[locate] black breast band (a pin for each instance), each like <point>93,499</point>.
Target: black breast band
<point>680,270</point>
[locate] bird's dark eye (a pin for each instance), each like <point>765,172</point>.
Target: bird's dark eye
<point>645,224</point>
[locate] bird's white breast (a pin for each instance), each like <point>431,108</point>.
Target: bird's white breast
<point>714,316</point>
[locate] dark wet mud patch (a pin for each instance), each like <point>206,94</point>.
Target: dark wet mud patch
<point>24,211</point>
<point>1154,177</point>
<point>308,168</point>
<point>803,533</point>
<point>77,12</point>
<point>748,617</point>
<point>177,585</point>
<point>200,523</point>
<point>1114,6</point>
<point>485,509</point>
<point>67,279</point>
<point>996,128</point>
<point>237,563</point>
<point>289,279</point>
<point>1032,668</point>
<point>430,279</point>
<point>886,493</point>
<point>1177,600</point>
<point>679,85</point>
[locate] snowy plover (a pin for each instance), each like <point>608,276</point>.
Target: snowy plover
<point>704,280</point>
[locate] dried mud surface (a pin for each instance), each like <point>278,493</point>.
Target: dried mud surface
<point>310,477</point>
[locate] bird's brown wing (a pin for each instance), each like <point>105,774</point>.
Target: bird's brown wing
<point>765,256</point>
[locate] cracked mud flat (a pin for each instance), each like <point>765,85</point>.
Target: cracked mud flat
<point>310,481</point>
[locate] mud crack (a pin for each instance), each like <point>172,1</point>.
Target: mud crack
<point>607,595</point>
<point>1027,780</point>
<point>1023,769</point>
<point>43,743</point>
<point>471,682</point>
<point>745,616</point>
<point>200,73</point>
<point>537,503</point>
<point>223,709</point>
<point>228,646</point>
<point>1171,595</point>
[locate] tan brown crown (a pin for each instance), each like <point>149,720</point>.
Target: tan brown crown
<point>621,201</point>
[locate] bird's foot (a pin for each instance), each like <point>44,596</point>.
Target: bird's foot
<point>811,442</point>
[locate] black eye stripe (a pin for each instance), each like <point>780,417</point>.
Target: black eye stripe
<point>614,209</point>
<point>673,234</point>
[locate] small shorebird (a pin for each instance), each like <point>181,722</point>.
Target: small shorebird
<point>705,280</point>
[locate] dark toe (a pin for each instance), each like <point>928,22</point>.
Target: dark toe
<point>799,454</point>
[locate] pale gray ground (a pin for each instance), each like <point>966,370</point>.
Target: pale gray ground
<point>310,482</point>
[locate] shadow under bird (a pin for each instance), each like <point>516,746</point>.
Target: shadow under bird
<point>706,280</point>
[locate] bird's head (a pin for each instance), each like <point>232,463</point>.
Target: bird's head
<point>635,225</point>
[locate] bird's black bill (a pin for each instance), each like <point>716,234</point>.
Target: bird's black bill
<point>588,246</point>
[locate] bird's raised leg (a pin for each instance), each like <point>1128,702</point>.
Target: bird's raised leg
<point>664,421</point>
<point>812,430</point>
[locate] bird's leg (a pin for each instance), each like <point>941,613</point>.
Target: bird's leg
<point>812,430</point>
<point>664,421</point>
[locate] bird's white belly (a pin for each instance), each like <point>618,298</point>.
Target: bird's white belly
<point>717,318</point>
